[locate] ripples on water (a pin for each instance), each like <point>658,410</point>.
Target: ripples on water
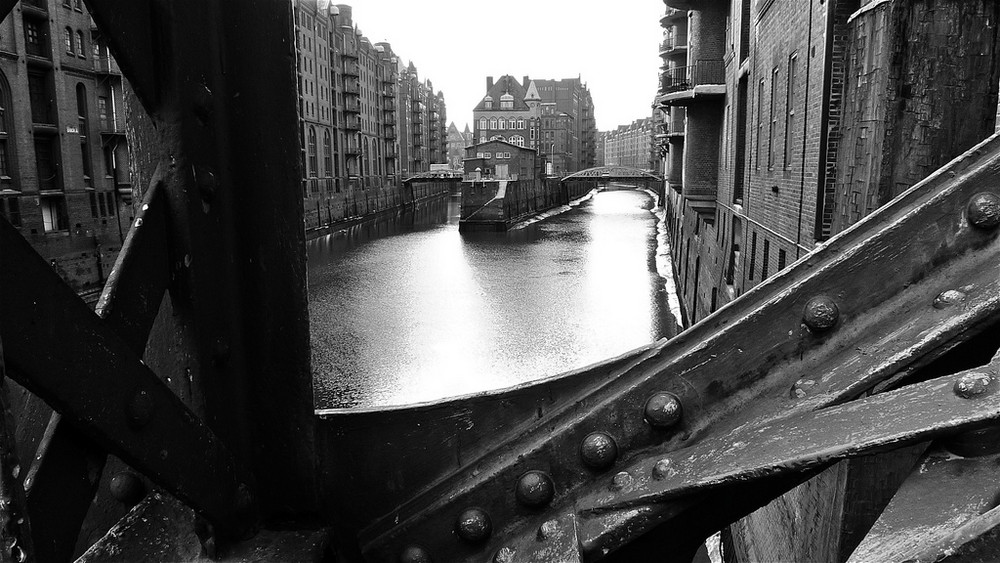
<point>405,309</point>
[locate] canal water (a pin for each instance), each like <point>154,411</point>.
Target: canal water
<point>405,309</point>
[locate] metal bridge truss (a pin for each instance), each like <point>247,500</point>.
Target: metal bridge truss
<point>846,353</point>
<point>613,173</point>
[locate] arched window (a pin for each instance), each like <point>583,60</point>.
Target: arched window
<point>493,123</point>
<point>501,123</point>
<point>68,39</point>
<point>520,124</point>
<point>327,154</point>
<point>482,123</point>
<point>517,140</point>
<point>6,133</point>
<point>313,165</point>
<point>80,45</point>
<point>497,138</point>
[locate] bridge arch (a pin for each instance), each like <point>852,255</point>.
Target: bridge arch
<point>623,173</point>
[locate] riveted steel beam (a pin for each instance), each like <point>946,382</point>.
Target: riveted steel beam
<point>67,468</point>
<point>61,351</point>
<point>881,300</point>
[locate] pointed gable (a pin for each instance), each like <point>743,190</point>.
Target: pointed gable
<point>532,93</point>
<point>506,88</point>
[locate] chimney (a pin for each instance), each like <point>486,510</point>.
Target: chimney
<point>526,81</point>
<point>489,83</point>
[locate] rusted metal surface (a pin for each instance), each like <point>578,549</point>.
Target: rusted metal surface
<point>15,528</point>
<point>66,471</point>
<point>917,247</point>
<point>97,382</point>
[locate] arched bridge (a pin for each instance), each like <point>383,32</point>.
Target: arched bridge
<point>615,173</point>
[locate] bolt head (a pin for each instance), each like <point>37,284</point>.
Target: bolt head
<point>621,480</point>
<point>984,210</point>
<point>663,410</point>
<point>974,384</point>
<point>662,469</point>
<point>948,298</point>
<point>140,410</point>
<point>802,387</point>
<point>127,488</point>
<point>548,529</point>
<point>414,554</point>
<point>535,489</point>
<point>473,525</point>
<point>505,555</point>
<point>821,314</point>
<point>599,450</point>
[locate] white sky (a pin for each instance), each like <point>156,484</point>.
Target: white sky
<point>612,46</point>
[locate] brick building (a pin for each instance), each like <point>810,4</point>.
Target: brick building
<point>801,118</point>
<point>633,145</point>
<point>64,177</point>
<point>367,122</point>
<point>556,117</point>
<point>457,141</point>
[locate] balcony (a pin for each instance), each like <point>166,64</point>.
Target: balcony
<point>352,122</point>
<point>351,52</point>
<point>106,65</point>
<point>390,117</point>
<point>352,105</point>
<point>418,140</point>
<point>673,45</point>
<point>390,152</point>
<point>352,149</point>
<point>389,94</point>
<point>351,68</point>
<point>672,15</point>
<point>390,131</point>
<point>352,87</point>
<point>685,84</point>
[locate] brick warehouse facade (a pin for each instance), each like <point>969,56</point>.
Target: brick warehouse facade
<point>64,177</point>
<point>367,121</point>
<point>633,145</point>
<point>801,118</point>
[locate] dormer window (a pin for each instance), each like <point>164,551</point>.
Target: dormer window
<point>489,104</point>
<point>506,104</point>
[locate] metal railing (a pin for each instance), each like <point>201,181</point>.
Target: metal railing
<point>686,77</point>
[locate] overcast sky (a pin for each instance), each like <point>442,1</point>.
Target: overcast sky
<point>612,46</point>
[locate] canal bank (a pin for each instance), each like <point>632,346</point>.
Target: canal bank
<point>407,309</point>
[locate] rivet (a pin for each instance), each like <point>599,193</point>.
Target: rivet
<point>414,554</point>
<point>662,469</point>
<point>984,210</point>
<point>621,480</point>
<point>140,410</point>
<point>802,387</point>
<point>974,384</point>
<point>599,450</point>
<point>534,489</point>
<point>473,525</point>
<point>548,529</point>
<point>504,555</point>
<point>820,314</point>
<point>127,488</point>
<point>948,298</point>
<point>663,410</point>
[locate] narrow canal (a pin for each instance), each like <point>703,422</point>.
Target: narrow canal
<point>405,309</point>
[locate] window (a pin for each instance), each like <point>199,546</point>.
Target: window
<point>760,122</point>
<point>487,155</point>
<point>68,39</point>
<point>81,110</point>
<point>497,138</point>
<point>6,132</point>
<point>93,204</point>
<point>112,207</point>
<point>489,104</point>
<point>102,112</point>
<point>781,259</point>
<point>501,123</point>
<point>520,124</point>
<point>45,163</point>
<point>78,4</point>
<point>764,261</point>
<point>517,140</point>
<point>103,205</point>
<point>493,123</point>
<point>327,154</point>
<point>772,126</point>
<point>753,254</point>
<point>482,123</point>
<point>12,209</point>
<point>80,46</point>
<point>506,104</point>
<point>790,109</point>
<point>54,213</point>
<point>312,152</point>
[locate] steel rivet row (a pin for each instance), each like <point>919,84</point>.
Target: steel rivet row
<point>535,489</point>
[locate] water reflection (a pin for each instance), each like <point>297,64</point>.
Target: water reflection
<point>405,309</point>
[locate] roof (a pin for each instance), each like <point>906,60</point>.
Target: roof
<point>507,84</point>
<point>499,141</point>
